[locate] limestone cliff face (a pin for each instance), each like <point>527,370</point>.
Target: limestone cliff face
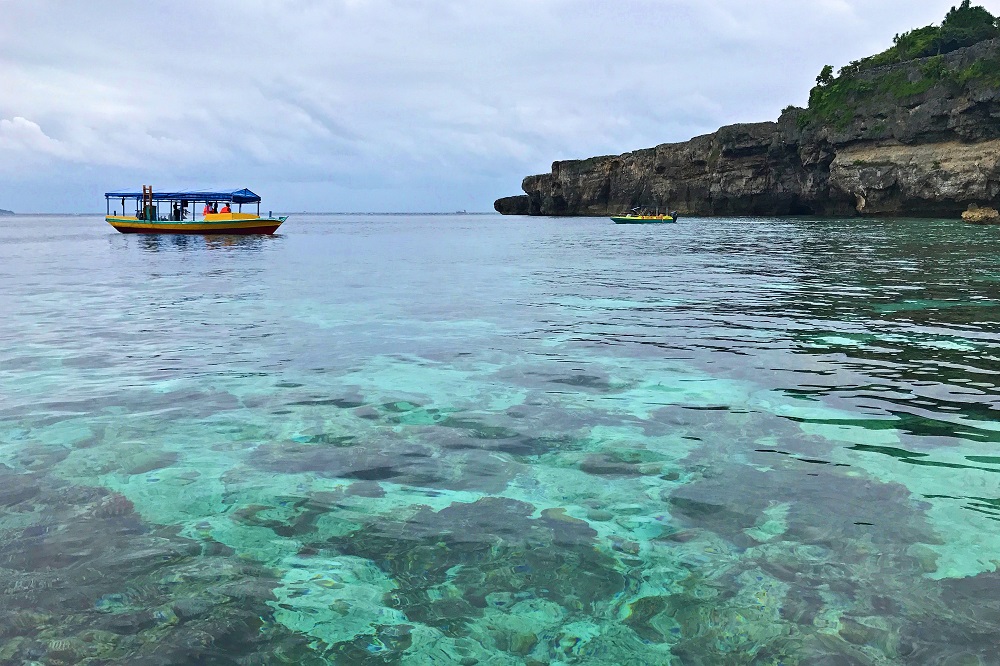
<point>919,138</point>
<point>932,179</point>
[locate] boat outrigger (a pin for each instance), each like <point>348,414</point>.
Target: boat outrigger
<point>152,216</point>
<point>640,216</point>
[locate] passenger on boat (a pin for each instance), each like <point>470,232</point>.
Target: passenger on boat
<point>210,208</point>
<point>226,209</point>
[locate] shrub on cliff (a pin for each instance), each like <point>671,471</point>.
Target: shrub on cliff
<point>834,99</point>
<point>825,77</point>
<point>963,26</point>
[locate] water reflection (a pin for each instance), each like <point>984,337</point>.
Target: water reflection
<point>190,242</point>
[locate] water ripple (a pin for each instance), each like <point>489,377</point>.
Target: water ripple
<point>465,439</point>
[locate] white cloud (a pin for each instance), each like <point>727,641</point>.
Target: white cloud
<point>23,142</point>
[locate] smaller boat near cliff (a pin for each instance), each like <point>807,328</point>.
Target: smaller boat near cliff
<point>640,216</point>
<point>177,212</point>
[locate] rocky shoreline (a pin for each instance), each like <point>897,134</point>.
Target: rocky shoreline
<point>919,138</point>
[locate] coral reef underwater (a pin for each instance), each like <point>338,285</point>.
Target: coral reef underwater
<point>791,460</point>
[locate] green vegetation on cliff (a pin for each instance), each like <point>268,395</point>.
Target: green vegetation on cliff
<point>835,100</point>
<point>962,26</point>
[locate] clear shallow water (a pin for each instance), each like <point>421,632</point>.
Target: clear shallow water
<point>462,440</point>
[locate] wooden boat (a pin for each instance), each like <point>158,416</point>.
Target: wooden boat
<point>168,213</point>
<point>637,216</point>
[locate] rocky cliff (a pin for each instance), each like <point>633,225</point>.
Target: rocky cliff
<point>917,138</point>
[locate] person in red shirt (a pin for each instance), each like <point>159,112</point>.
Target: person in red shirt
<point>226,209</point>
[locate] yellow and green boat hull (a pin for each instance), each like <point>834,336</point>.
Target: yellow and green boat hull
<point>641,219</point>
<point>214,223</point>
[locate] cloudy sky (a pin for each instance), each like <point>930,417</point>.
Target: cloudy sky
<point>392,105</point>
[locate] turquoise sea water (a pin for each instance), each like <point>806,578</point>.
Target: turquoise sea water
<point>486,440</point>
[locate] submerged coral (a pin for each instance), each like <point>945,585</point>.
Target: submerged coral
<point>87,581</point>
<point>745,442</point>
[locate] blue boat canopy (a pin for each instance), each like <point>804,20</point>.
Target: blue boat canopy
<point>231,196</point>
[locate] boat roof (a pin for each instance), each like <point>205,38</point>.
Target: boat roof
<point>232,196</point>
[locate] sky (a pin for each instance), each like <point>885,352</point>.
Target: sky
<point>392,105</point>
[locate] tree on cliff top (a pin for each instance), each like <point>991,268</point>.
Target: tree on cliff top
<point>825,77</point>
<point>963,26</point>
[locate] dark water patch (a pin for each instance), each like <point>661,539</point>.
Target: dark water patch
<point>326,438</point>
<point>39,457</point>
<point>187,402</point>
<point>867,424</point>
<point>709,408</point>
<point>647,619</point>
<point>368,413</point>
<point>987,460</point>
<point>485,548</point>
<point>911,424</point>
<point>366,489</point>
<point>397,460</point>
<point>614,464</point>
<point>150,461</point>
<point>913,458</point>
<point>519,447</point>
<point>819,549</point>
<point>906,364</point>
<point>985,505</point>
<point>89,361</point>
<point>298,515</point>
<point>95,584</point>
<point>445,429</point>
<point>599,383</point>
<point>25,363</point>
<point>971,631</point>
<point>67,408</point>
<point>810,461</point>
<point>479,429</point>
<point>341,403</point>
<point>916,424</point>
<point>399,407</point>
<point>294,517</point>
<point>709,514</point>
<point>385,646</point>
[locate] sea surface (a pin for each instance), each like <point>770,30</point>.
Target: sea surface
<point>500,441</point>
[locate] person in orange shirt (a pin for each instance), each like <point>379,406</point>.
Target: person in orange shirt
<point>209,208</point>
<point>226,209</point>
